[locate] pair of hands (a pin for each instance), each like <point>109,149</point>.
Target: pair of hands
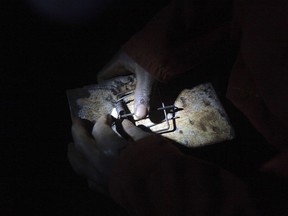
<point>96,148</point>
<point>121,65</point>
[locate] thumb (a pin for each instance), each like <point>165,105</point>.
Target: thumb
<point>121,64</point>
<point>134,132</point>
<point>142,92</point>
<point>105,136</point>
<point>114,70</point>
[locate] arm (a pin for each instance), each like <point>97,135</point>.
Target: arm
<point>148,175</point>
<point>153,177</point>
<point>180,36</point>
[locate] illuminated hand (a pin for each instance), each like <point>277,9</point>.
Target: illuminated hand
<point>121,65</point>
<point>96,148</point>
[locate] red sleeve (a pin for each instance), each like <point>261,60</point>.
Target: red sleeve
<point>258,83</point>
<point>179,36</point>
<point>153,177</point>
<point>265,52</point>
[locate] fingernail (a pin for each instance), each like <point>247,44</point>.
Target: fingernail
<point>141,111</point>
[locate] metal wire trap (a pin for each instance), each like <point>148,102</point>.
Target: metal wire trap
<point>125,102</point>
<point>203,120</point>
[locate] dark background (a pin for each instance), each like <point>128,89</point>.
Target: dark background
<point>40,60</point>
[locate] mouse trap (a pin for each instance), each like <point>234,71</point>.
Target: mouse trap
<point>194,118</point>
<point>164,123</point>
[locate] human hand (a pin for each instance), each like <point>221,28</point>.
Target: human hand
<point>96,148</point>
<point>121,65</point>
<point>277,165</point>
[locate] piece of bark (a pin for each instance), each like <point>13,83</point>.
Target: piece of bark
<point>199,118</point>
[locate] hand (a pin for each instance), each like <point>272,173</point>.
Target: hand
<point>93,154</point>
<point>277,165</point>
<point>121,65</point>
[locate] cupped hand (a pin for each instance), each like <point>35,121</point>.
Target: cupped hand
<point>121,65</point>
<point>96,148</point>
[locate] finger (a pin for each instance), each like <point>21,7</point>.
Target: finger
<point>119,65</point>
<point>101,151</point>
<point>142,93</point>
<point>114,70</point>
<point>85,143</point>
<point>96,186</point>
<point>134,132</point>
<point>88,125</point>
<point>105,137</point>
<point>81,132</point>
<point>83,167</point>
<point>80,164</point>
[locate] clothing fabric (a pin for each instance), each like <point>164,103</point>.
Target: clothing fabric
<point>258,83</point>
<point>152,177</point>
<point>185,32</point>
